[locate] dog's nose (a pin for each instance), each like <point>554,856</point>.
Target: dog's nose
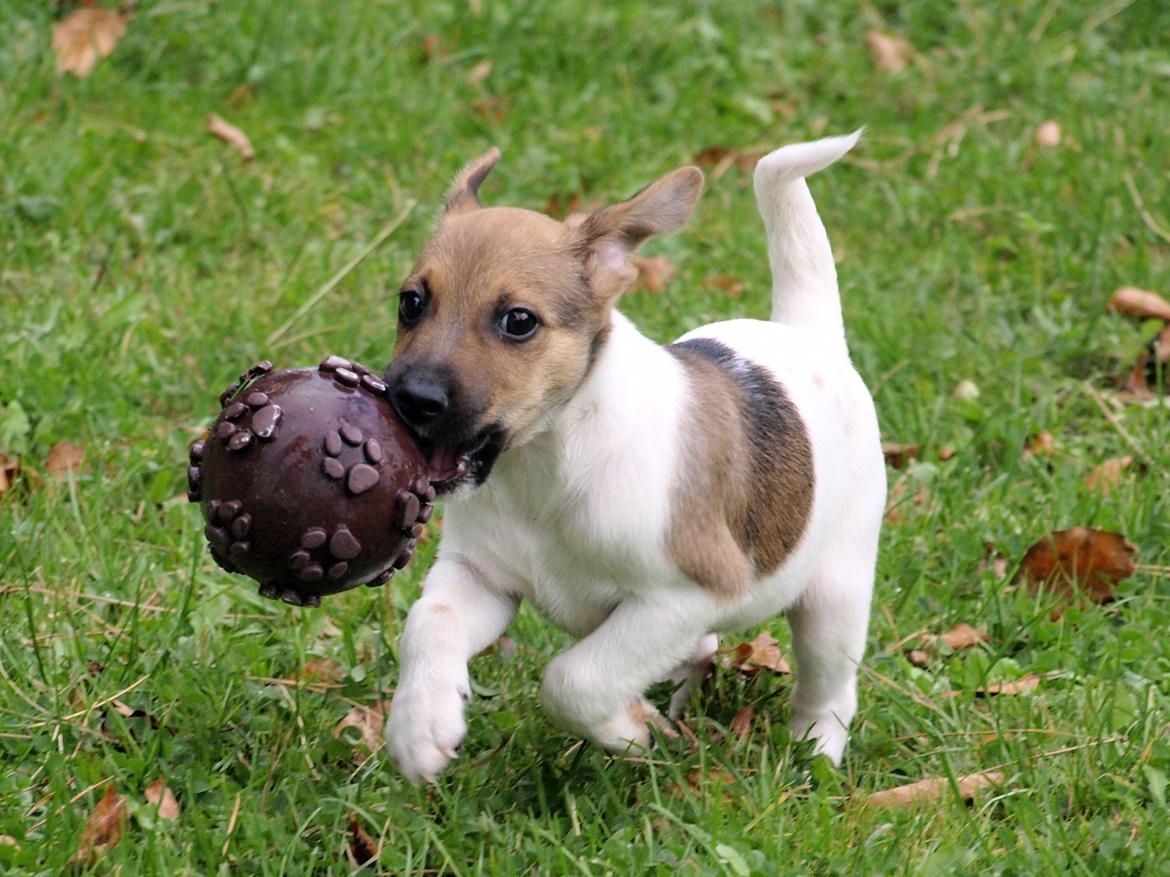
<point>419,399</point>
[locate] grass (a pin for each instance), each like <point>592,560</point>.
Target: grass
<point>142,265</point>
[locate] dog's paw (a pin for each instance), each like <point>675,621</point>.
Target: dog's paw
<point>426,726</point>
<point>630,727</point>
<point>829,736</point>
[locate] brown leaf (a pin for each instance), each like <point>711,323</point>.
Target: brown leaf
<point>750,658</point>
<point>160,793</point>
<point>9,469</point>
<point>654,273</point>
<point>479,72</point>
<point>493,107</point>
<point>1079,561</point>
<point>9,840</point>
<point>731,285</point>
<point>320,670</point>
<point>361,848</point>
<point>560,205</point>
<point>714,779</point>
<point>65,460</point>
<point>963,636</point>
<point>103,829</point>
<point>85,35</point>
<point>898,455</point>
<point>1130,301</point>
<point>931,790</point>
<point>369,721</point>
<point>721,158</point>
<point>741,724</point>
<point>945,453</point>
<point>1013,686</point>
<point>1108,475</point>
<point>1043,444</point>
<point>1048,134</point>
<point>919,658</point>
<point>431,47</point>
<point>224,130</point>
<point>888,52</point>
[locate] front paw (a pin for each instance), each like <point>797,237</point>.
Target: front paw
<point>426,726</point>
<point>629,728</point>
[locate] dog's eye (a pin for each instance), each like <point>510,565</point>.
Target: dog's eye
<point>411,305</point>
<point>519,324</point>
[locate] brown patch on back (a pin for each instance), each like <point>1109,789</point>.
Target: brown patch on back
<point>745,489</point>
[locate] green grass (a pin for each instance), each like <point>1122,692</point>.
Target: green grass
<point>142,265</point>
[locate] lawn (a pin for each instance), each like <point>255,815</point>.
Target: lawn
<point>144,263</point>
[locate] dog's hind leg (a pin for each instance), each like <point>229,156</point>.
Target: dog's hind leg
<point>689,676</point>
<point>595,688</point>
<point>829,625</point>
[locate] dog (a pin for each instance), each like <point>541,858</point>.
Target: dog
<point>645,498</point>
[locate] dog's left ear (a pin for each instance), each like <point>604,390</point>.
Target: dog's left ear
<point>609,236</point>
<point>464,192</point>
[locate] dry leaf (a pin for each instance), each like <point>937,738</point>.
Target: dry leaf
<point>731,285</point>
<point>750,658</point>
<point>945,453</point>
<point>962,636</point>
<point>493,107</point>
<point>8,840</point>
<point>1079,561</point>
<point>1048,134</point>
<point>654,273</point>
<point>1014,686</point>
<point>431,47</point>
<point>919,658</point>
<point>219,127</point>
<point>741,724</point>
<point>64,460</point>
<point>1043,444</point>
<point>103,829</point>
<point>715,779</point>
<point>369,721</point>
<point>889,53</point>
<point>361,848</point>
<point>479,72</point>
<point>559,205</point>
<point>1130,301</point>
<point>898,455</point>
<point>932,790</point>
<point>965,391</point>
<point>85,35</point>
<point>320,670</point>
<point>9,469</point>
<point>722,158</point>
<point>1108,475</point>
<point>159,793</point>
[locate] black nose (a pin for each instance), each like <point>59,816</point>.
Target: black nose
<point>419,399</point>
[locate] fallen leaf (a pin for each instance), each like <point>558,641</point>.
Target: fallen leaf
<point>919,658</point>
<point>1108,475</point>
<point>654,273</point>
<point>1043,444</point>
<point>159,793</point>
<point>361,848</point>
<point>506,648</point>
<point>888,52</point>
<point>224,130</point>
<point>1130,301</point>
<point>492,107</point>
<point>725,282</point>
<point>9,469</point>
<point>1014,686</point>
<point>9,840</point>
<point>103,829</point>
<point>369,722</point>
<point>965,391</point>
<point>431,47</point>
<point>945,453</point>
<point>898,455</point>
<point>741,724</point>
<point>320,670</point>
<point>962,636</point>
<point>1048,134</point>
<point>722,158</point>
<point>64,460</point>
<point>85,35</point>
<point>931,790</point>
<point>560,205</point>
<point>1079,561</point>
<point>479,72</point>
<point>704,782</point>
<point>750,658</point>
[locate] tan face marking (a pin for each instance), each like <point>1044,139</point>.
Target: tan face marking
<point>745,486</point>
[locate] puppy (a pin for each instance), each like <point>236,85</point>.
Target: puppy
<point>643,497</point>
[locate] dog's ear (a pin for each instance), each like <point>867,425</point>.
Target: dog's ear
<point>464,192</point>
<point>608,237</point>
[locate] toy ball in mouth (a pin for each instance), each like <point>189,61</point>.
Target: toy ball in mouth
<point>308,481</point>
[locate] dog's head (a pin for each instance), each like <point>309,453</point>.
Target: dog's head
<point>505,311</point>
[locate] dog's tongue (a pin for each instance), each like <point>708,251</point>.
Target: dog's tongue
<point>446,464</point>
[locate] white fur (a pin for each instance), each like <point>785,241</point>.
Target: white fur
<point>576,519</point>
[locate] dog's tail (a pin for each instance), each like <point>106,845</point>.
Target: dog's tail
<point>804,278</point>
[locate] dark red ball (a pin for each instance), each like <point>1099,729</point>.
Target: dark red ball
<point>308,481</point>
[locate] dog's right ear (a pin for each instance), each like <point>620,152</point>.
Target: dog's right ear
<point>608,237</point>
<point>464,192</point>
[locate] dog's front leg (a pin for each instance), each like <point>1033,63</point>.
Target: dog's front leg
<point>595,688</point>
<point>456,617</point>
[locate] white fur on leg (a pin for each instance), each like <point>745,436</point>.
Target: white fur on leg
<point>690,675</point>
<point>455,618</point>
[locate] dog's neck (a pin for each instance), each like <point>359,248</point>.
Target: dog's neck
<point>623,418</point>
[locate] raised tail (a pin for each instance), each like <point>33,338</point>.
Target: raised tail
<point>804,278</point>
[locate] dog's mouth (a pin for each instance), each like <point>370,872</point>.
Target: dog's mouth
<point>453,464</point>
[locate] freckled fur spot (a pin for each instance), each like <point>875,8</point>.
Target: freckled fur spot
<point>745,486</point>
